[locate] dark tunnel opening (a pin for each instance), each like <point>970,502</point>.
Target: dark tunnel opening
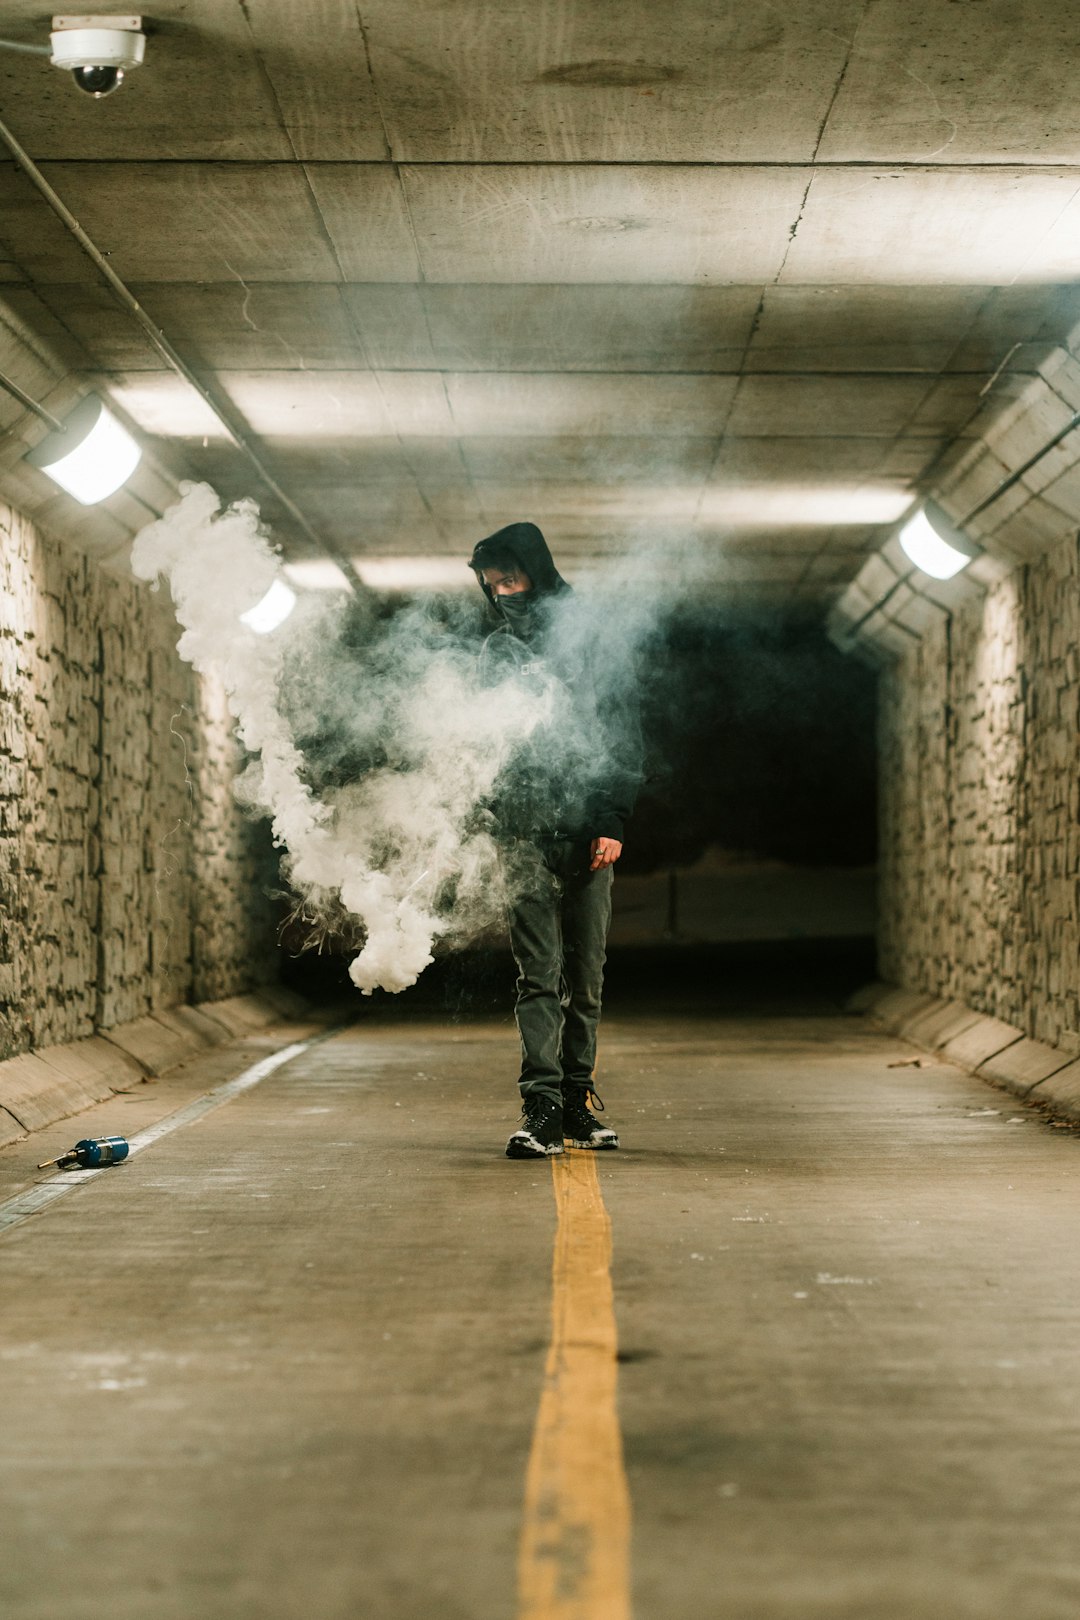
<point>759,804</point>
<point>761,743</point>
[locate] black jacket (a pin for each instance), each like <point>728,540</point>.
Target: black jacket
<point>577,773</point>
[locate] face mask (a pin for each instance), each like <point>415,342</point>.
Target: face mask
<point>519,610</point>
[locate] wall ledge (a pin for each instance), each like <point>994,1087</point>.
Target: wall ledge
<point>55,1082</point>
<point>987,1047</point>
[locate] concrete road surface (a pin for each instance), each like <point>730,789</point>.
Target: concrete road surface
<point>804,1349</point>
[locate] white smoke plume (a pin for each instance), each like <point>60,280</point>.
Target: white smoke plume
<point>404,844</point>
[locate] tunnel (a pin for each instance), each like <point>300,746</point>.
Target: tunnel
<point>766,321</point>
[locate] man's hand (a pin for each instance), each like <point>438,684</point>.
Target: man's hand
<point>604,852</point>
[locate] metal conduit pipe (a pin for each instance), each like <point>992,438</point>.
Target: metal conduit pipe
<point>164,348</point>
<point>29,404</point>
<point>26,50</point>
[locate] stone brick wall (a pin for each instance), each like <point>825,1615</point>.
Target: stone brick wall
<point>129,879</point>
<point>980,818</point>
<point>233,923</point>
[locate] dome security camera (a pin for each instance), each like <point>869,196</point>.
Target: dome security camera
<point>97,50</point>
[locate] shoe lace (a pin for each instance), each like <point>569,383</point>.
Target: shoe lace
<point>538,1108</point>
<point>584,1097</point>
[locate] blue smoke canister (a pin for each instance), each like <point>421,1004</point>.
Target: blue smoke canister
<point>93,1153</point>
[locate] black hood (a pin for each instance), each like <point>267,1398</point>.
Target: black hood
<point>529,549</point>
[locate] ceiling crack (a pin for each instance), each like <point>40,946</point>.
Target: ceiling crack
<point>838,86</point>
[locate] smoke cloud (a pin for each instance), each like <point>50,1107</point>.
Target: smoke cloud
<point>378,738</point>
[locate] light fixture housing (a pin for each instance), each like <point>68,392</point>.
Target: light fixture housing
<point>932,541</point>
<point>271,610</point>
<point>93,456</point>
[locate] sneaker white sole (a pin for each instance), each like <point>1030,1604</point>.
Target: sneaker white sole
<point>607,1140</point>
<point>524,1146</point>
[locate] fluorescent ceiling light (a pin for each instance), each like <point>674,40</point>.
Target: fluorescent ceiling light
<point>414,573</point>
<point>385,573</point>
<point>774,505</point>
<point>92,457</point>
<point>317,574</point>
<point>166,405</point>
<point>272,610</point>
<point>343,406</point>
<point>934,544</point>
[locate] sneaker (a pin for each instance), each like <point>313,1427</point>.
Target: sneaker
<point>540,1133</point>
<point>580,1125</point>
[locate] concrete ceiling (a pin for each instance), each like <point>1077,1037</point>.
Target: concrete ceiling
<point>731,278</point>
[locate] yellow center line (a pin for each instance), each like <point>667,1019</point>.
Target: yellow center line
<point>574,1557</point>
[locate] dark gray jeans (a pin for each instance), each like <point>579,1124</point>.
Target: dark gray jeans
<point>558,915</point>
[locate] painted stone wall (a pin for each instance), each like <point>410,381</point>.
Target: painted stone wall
<point>128,878</point>
<point>980,797</point>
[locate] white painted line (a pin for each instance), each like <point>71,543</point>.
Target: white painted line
<point>28,1203</point>
<point>47,1192</point>
<point>213,1099</point>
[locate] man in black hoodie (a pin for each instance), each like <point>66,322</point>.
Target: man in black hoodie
<point>559,808</point>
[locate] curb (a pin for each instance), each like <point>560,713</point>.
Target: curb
<point>988,1047</point>
<point>38,1088</point>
